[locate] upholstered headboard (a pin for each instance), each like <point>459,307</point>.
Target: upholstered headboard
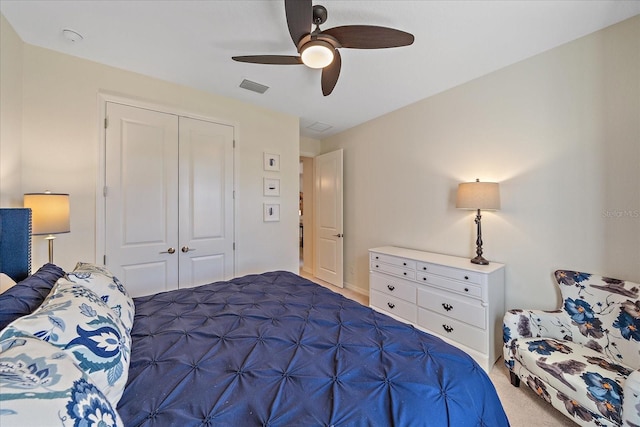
<point>15,242</point>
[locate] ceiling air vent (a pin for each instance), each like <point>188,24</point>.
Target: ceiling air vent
<point>319,127</point>
<point>253,86</point>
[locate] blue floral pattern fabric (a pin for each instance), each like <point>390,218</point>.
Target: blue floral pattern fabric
<point>582,358</point>
<point>108,287</point>
<point>41,385</point>
<point>77,321</point>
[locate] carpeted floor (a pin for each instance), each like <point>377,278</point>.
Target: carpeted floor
<point>523,407</point>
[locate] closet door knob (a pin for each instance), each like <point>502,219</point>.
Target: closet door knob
<point>186,249</point>
<point>168,251</point>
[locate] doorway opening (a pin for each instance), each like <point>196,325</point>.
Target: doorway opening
<point>305,212</point>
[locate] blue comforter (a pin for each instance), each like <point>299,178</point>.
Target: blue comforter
<point>276,349</point>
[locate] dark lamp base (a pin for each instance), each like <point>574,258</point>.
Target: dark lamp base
<point>479,260</point>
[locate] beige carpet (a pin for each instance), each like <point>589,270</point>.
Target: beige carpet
<point>523,407</point>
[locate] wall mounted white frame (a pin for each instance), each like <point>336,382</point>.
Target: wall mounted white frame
<point>271,187</point>
<point>271,212</point>
<point>271,162</point>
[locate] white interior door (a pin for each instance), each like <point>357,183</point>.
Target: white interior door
<point>206,202</point>
<point>141,190</point>
<point>328,217</point>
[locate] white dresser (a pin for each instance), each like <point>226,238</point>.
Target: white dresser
<point>447,296</point>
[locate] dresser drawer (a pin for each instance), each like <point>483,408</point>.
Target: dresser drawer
<point>451,285</point>
<point>465,309</point>
<point>451,273</point>
<point>388,259</point>
<point>474,338</point>
<point>392,269</point>
<point>394,287</point>
<point>393,305</point>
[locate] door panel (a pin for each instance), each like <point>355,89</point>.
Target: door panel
<point>329,227</point>
<point>206,200</point>
<point>205,269</point>
<point>147,278</point>
<point>141,216</point>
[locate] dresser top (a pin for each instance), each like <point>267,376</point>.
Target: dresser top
<point>448,260</point>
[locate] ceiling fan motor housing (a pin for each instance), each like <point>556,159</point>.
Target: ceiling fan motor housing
<point>319,14</point>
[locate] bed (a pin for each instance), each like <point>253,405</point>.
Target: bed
<point>265,349</point>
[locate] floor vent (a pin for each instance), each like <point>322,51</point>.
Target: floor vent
<point>253,86</point>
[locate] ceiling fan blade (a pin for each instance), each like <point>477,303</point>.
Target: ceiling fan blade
<point>369,36</point>
<point>269,59</point>
<point>330,74</point>
<point>299,18</point>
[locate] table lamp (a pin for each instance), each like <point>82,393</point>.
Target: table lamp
<point>478,195</point>
<point>50,215</point>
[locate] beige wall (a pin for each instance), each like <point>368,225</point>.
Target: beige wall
<point>59,143</point>
<point>309,147</point>
<point>559,131</point>
<point>10,115</point>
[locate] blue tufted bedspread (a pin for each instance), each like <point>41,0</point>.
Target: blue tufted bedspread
<point>275,349</point>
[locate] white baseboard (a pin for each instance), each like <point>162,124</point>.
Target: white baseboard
<point>356,289</point>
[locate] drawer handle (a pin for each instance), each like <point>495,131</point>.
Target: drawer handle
<point>424,278</point>
<point>466,277</point>
<point>424,268</point>
<point>404,263</point>
<point>377,257</point>
<point>447,307</point>
<point>391,305</point>
<point>377,266</point>
<point>447,328</point>
<point>466,289</point>
<point>405,273</point>
<point>391,287</point>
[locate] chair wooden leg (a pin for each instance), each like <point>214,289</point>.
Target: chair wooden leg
<point>515,380</point>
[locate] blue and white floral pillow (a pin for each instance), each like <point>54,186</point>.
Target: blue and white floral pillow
<point>78,322</point>
<point>40,385</point>
<point>107,286</point>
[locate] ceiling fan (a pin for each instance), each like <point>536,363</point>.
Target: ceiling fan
<point>319,49</point>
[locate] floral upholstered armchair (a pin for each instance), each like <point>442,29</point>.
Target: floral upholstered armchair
<point>584,358</point>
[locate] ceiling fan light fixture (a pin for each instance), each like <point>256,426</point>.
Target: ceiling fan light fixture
<point>317,54</point>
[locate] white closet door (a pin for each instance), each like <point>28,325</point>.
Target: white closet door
<point>141,210</point>
<point>206,202</point>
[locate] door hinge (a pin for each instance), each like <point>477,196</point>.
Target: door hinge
<point>234,246</point>
<point>104,191</point>
<point>106,122</point>
<point>104,260</point>
<point>234,143</point>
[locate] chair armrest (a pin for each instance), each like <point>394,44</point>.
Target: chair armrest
<point>534,323</point>
<point>529,324</point>
<point>631,402</point>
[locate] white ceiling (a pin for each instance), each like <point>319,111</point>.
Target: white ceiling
<point>191,43</point>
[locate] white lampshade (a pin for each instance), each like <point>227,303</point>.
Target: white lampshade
<point>317,54</point>
<point>478,195</point>
<point>49,212</point>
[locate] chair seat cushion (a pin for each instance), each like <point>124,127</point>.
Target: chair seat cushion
<point>588,377</point>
